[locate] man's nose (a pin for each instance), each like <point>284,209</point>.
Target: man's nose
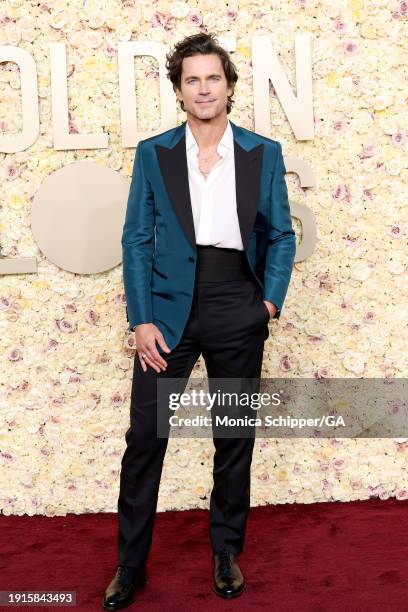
<point>204,89</point>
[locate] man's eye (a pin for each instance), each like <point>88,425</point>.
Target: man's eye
<point>214,77</point>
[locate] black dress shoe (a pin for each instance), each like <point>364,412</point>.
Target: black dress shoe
<point>123,587</point>
<point>228,579</point>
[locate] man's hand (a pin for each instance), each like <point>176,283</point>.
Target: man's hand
<point>146,335</point>
<point>271,307</point>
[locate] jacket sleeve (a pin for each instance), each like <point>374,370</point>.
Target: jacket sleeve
<point>138,245</point>
<point>281,247</point>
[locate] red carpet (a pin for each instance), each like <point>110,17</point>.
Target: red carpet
<point>324,557</point>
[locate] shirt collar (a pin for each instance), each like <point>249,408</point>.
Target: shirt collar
<point>227,139</point>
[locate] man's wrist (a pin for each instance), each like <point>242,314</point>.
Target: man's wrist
<point>132,329</point>
<point>275,308</point>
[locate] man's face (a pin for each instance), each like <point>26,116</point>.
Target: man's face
<point>204,89</point>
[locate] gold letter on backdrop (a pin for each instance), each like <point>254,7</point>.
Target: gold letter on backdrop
<point>11,143</point>
<point>63,140</point>
<point>267,67</point>
<point>127,86</point>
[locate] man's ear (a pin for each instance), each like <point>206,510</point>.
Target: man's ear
<point>177,92</point>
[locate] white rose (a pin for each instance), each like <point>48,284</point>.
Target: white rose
<point>92,39</point>
<point>13,34</point>
<point>58,19</point>
<point>179,9</point>
<point>96,19</point>
<point>354,362</point>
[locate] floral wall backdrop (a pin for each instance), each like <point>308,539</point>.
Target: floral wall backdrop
<point>67,356</point>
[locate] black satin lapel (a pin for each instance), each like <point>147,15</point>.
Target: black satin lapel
<point>173,166</point>
<point>247,180</point>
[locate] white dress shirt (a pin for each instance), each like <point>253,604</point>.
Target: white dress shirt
<point>213,200</point>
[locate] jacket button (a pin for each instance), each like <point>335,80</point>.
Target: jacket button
<point>191,259</point>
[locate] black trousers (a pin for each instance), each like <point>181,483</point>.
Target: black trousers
<point>228,325</point>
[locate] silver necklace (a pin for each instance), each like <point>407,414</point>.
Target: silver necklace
<point>206,172</point>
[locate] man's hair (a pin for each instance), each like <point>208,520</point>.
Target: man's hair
<point>203,44</point>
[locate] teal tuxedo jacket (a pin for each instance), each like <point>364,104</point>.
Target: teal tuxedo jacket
<point>158,240</point>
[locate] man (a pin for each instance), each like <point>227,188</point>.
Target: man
<point>208,249</point>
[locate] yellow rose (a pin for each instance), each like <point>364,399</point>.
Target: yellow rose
<point>356,5</point>
<point>368,30</point>
<point>332,78</point>
<point>16,201</point>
